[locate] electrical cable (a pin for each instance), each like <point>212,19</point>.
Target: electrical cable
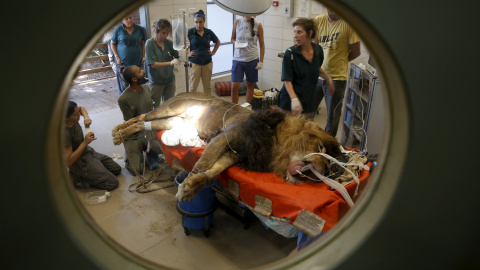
<point>224,126</point>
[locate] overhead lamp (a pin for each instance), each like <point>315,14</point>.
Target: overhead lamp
<point>244,7</point>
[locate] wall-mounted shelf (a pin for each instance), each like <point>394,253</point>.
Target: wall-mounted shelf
<point>363,113</point>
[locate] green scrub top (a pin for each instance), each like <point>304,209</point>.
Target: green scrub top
<point>155,53</point>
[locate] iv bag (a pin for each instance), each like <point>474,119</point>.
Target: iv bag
<point>179,33</point>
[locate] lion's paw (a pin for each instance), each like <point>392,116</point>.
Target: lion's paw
<point>115,130</point>
<point>178,196</point>
<point>184,193</point>
<point>124,125</point>
<point>117,138</point>
<point>188,193</point>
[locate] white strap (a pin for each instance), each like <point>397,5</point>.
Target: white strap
<point>341,164</point>
<point>147,125</point>
<point>335,185</point>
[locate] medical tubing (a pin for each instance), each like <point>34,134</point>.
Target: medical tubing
<point>341,164</point>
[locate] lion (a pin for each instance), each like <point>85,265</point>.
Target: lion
<point>264,141</point>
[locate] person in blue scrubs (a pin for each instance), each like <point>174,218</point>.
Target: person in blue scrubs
<point>301,67</point>
<point>200,54</point>
<point>128,46</point>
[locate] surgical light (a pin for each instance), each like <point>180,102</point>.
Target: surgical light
<point>244,7</point>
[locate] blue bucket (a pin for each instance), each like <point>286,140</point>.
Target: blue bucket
<point>197,213</point>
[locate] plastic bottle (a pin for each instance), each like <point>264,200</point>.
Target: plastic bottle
<point>96,197</point>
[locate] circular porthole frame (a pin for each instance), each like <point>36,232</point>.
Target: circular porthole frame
<point>332,249</point>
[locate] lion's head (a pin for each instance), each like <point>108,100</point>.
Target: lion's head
<point>271,141</point>
<point>295,139</point>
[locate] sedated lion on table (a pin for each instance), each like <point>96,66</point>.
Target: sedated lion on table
<point>265,141</point>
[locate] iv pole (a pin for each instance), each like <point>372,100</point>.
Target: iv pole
<point>184,48</point>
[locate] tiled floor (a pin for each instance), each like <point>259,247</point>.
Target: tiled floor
<point>97,96</point>
<point>148,224</point>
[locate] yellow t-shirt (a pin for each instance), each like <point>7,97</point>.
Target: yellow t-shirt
<point>335,39</point>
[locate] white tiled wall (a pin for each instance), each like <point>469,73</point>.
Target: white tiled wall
<point>278,36</point>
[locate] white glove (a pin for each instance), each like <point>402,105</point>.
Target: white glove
<point>174,62</point>
<point>259,66</point>
<point>297,107</point>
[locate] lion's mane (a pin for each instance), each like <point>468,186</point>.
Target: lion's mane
<point>268,139</point>
<point>299,135</point>
<point>256,139</point>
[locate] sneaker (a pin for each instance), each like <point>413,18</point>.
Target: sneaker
<point>153,166</point>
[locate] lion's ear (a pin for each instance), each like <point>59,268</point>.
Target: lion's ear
<point>331,144</point>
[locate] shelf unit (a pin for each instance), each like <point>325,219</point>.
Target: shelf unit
<point>363,112</point>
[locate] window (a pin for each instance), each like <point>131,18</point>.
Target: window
<point>221,23</point>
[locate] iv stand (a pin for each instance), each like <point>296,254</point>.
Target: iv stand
<point>186,64</point>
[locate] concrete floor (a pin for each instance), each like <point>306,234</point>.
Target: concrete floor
<point>148,225</point>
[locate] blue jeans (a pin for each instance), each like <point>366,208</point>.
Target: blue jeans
<point>334,103</point>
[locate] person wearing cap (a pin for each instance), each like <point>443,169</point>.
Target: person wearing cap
<point>200,54</point>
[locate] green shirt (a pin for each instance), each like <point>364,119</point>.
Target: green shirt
<point>133,104</point>
<point>155,53</point>
<point>74,137</point>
